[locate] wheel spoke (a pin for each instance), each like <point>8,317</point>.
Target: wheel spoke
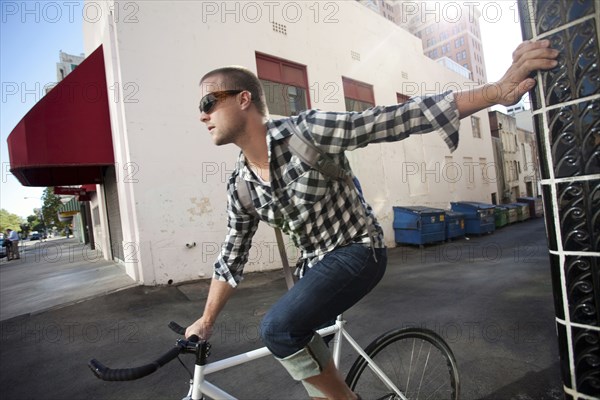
<point>418,361</point>
<point>423,374</point>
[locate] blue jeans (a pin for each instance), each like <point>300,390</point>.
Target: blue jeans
<point>333,285</point>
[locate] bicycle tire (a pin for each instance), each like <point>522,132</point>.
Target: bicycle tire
<point>418,361</point>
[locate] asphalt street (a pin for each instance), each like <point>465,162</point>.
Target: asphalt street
<point>490,297</point>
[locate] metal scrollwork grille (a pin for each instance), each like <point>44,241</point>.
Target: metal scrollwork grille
<point>566,108</point>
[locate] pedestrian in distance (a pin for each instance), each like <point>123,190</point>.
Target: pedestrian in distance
<point>12,247</point>
<point>343,255</point>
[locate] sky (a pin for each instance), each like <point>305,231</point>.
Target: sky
<point>32,33</point>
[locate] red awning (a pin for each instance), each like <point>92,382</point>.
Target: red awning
<point>65,139</point>
<point>89,188</point>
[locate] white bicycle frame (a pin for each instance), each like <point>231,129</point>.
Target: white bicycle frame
<point>199,386</point>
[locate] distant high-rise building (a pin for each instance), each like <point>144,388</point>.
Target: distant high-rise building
<point>386,8</point>
<point>516,108</point>
<point>67,63</point>
<point>447,29</point>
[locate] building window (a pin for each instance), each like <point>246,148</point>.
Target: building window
<point>285,84</point>
<point>445,48</point>
<point>433,53</point>
<point>461,56</point>
<point>475,125</point>
<point>443,36</point>
<point>430,42</point>
<point>484,170</point>
<point>459,42</point>
<point>402,98</point>
<point>358,95</point>
<point>468,161</point>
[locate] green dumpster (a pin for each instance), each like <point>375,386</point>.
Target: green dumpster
<point>501,216</point>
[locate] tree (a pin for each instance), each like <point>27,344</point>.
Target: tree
<point>25,228</point>
<point>34,221</point>
<point>49,212</point>
<point>10,221</point>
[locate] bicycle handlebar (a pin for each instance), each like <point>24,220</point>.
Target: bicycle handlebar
<point>175,327</point>
<point>129,374</point>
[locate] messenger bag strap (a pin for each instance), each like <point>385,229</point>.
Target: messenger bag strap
<point>287,270</point>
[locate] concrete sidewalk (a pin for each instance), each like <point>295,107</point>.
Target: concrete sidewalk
<point>490,298</point>
<point>55,273</point>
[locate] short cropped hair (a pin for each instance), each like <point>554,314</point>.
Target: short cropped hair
<point>241,78</point>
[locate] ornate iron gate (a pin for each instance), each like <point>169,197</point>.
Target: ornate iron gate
<point>566,104</point>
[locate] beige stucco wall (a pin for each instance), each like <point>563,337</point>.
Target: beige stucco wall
<point>156,57</point>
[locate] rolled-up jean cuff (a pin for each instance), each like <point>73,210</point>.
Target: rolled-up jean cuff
<point>313,392</point>
<point>309,361</point>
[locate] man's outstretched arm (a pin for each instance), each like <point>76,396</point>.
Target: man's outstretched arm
<point>527,58</point>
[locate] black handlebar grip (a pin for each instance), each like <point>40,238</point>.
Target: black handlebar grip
<point>130,374</point>
<point>175,327</point>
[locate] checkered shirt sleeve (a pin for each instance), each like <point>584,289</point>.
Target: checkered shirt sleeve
<point>317,213</point>
<point>241,227</point>
<point>338,132</point>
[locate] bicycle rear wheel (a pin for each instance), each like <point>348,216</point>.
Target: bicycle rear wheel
<point>418,362</point>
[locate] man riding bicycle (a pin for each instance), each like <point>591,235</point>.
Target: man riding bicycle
<point>342,248</point>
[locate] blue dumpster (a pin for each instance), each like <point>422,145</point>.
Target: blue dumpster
<point>479,217</point>
<point>419,225</point>
<point>455,224</point>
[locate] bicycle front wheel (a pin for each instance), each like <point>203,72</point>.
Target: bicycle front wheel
<point>418,361</point>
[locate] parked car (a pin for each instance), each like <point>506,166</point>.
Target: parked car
<point>2,249</point>
<point>35,236</point>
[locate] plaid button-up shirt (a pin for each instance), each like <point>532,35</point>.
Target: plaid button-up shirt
<point>320,214</point>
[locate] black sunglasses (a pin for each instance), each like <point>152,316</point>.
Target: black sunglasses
<point>208,102</point>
